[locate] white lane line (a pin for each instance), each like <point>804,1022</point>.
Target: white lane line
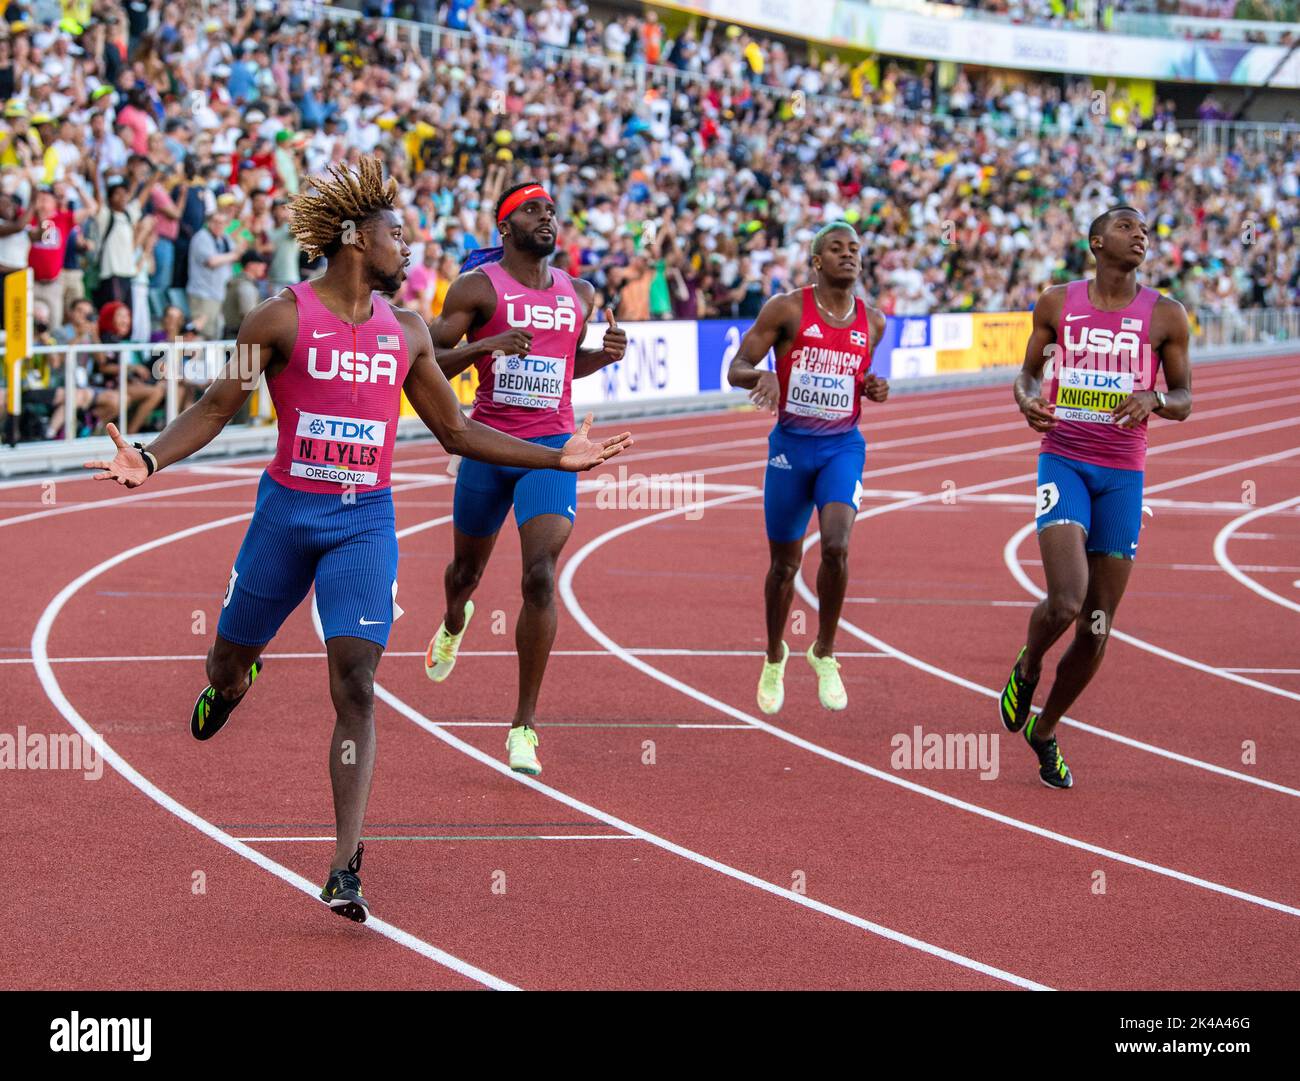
<point>576,610</point>
<point>1031,587</point>
<point>1278,671</point>
<point>466,837</point>
<point>1221,554</point>
<point>439,731</point>
<point>1231,467</point>
<point>320,655</point>
<point>50,684</point>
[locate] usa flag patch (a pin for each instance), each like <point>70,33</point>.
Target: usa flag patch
<point>1130,324</point>
<point>563,301</point>
<point>387,341</point>
<point>857,337</point>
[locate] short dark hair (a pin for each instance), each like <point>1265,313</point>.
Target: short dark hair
<point>1100,222</point>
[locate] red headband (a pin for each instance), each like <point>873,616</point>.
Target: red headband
<point>517,198</point>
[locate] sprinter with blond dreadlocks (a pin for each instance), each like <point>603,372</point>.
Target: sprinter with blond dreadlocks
<point>336,356</point>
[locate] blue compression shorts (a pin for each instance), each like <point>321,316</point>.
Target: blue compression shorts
<point>1106,501</point>
<point>346,544</point>
<point>485,492</point>
<point>804,471</point>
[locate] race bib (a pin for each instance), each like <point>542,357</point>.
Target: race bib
<point>1089,396</point>
<point>528,382</point>
<point>343,450</point>
<point>820,394</point>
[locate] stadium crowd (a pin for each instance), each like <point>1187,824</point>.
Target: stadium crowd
<point>148,153</point>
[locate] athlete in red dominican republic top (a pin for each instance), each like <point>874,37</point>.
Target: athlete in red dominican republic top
<point>1107,339</point>
<point>336,357</point>
<point>524,322</point>
<point>824,337</point>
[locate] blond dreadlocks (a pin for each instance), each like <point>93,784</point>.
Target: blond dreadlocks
<point>342,196</point>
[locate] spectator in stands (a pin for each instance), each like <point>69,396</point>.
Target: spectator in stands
<point>244,291</point>
<point>51,228</point>
<point>117,247</point>
<point>212,255</point>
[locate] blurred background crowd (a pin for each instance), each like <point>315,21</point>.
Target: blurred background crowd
<point>148,151</point>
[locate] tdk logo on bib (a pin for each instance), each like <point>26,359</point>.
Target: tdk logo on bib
<point>540,317</point>
<point>369,432</point>
<point>1097,380</point>
<point>355,367</point>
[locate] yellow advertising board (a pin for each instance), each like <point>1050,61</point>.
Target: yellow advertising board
<point>17,284</point>
<point>996,341</point>
<point>465,385</point>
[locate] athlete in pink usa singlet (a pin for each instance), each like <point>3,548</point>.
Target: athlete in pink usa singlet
<point>1106,339</point>
<point>530,396</point>
<point>337,358</point>
<point>1104,357</point>
<point>523,321</point>
<point>338,400</point>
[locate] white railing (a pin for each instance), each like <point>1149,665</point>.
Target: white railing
<point>173,363</point>
<point>1245,326</point>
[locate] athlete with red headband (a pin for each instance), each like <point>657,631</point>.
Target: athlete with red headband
<point>524,323</point>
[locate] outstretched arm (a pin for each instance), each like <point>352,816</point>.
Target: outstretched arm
<point>436,404</point>
<point>260,346</point>
<point>769,331</point>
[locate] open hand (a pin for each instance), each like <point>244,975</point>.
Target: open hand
<point>580,453</point>
<point>128,467</point>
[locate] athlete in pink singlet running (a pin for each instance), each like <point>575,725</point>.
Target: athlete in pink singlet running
<point>524,321</point>
<point>336,357</point>
<point>1106,337</point>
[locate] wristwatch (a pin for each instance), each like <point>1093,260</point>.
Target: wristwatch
<point>1160,399</point>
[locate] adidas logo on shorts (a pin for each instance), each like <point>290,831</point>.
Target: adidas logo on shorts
<point>779,462</point>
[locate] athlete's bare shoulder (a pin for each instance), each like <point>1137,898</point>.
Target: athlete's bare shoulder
<point>875,320</point>
<point>273,322</point>
<point>471,292</point>
<point>1049,305</point>
<point>1169,321</point>
<point>784,309</point>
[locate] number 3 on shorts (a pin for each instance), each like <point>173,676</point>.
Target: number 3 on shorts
<point>230,589</point>
<point>1048,496</point>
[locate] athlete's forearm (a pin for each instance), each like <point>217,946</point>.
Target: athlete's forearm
<point>455,360</point>
<point>589,361</point>
<point>1027,386</point>
<point>486,444</point>
<point>743,374</point>
<point>1178,405</point>
<point>189,432</point>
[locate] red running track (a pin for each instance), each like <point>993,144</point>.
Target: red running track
<point>677,837</point>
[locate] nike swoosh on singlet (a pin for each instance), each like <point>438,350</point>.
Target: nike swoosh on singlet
<point>1072,318</point>
<point>513,296</point>
<point>327,334</point>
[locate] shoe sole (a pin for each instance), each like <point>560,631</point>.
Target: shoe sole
<point>832,708</point>
<point>1058,787</point>
<point>434,675</point>
<point>350,910</point>
<point>528,770</point>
